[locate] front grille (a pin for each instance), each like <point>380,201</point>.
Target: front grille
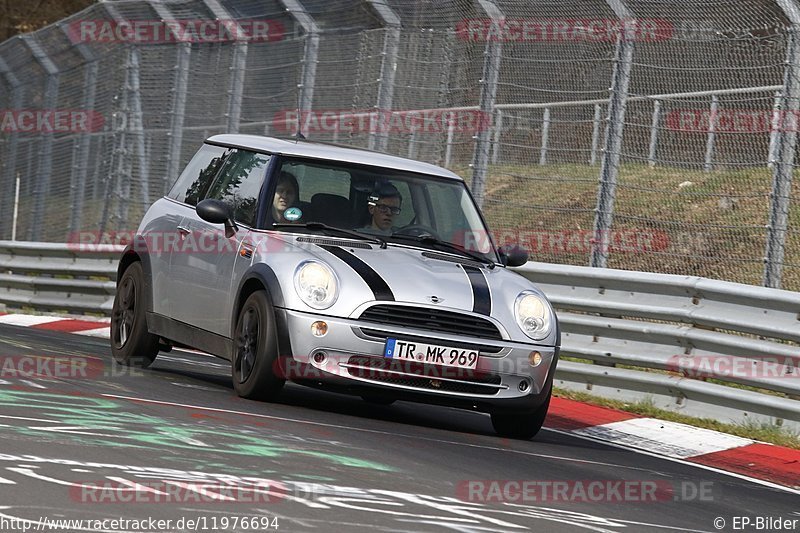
<point>383,335</point>
<point>429,319</point>
<point>420,376</point>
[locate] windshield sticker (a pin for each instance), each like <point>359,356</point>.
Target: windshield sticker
<point>292,214</point>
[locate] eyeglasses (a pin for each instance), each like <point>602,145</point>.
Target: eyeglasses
<point>386,209</point>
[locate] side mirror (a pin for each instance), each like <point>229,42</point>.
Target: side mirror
<point>217,212</point>
<point>514,256</point>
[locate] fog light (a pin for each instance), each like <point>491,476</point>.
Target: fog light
<point>319,328</point>
<point>523,386</point>
<point>319,357</point>
<point>534,358</point>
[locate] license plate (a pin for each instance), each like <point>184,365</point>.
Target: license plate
<point>431,354</point>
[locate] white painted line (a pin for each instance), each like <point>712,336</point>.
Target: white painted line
<point>667,438</point>
<point>28,320</point>
<point>376,432</point>
<point>103,333</point>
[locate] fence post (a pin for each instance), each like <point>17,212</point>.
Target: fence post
<point>178,109</point>
<point>609,166</point>
<point>45,163</point>
<point>310,55</point>
<point>785,152</point>
<point>9,163</point>
<point>448,152</point>
<point>595,134</point>
<point>238,68</point>
<point>391,45</point>
<point>498,130</point>
<point>773,132</point>
<point>651,158</point>
<point>493,56</point>
<point>80,162</point>
<point>711,141</point>
<point>545,136</point>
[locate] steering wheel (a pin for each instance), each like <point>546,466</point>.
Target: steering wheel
<point>418,230</point>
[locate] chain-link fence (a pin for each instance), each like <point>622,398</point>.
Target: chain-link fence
<point>656,135</point>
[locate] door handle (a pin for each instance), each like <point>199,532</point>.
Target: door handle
<point>183,230</point>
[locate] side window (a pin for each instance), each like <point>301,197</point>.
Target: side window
<point>195,179</point>
<point>239,184</point>
<point>407,214</point>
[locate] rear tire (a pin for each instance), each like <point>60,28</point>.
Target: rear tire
<point>131,343</point>
<point>524,425</point>
<point>255,354</point>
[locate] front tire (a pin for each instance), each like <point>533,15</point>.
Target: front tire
<point>523,425</point>
<point>255,353</point>
<point>131,343</point>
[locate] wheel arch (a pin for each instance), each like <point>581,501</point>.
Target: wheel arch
<point>133,252</point>
<point>256,278</point>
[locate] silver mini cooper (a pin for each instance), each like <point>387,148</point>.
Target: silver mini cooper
<point>338,268</point>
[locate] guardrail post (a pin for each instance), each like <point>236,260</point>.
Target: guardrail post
<point>80,161</point>
<point>41,191</point>
<point>711,141</point>
<point>609,166</point>
<point>651,157</point>
<point>9,163</point>
<point>391,43</point>
<point>595,134</point>
<point>179,88</point>
<point>310,58</point>
<point>785,153</point>
<point>493,56</point>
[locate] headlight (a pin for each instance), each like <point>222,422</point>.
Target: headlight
<point>316,284</point>
<point>533,316</point>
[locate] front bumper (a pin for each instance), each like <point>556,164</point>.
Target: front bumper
<point>349,358</point>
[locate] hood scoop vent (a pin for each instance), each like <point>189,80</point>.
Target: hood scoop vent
<point>452,259</point>
<point>334,242</point>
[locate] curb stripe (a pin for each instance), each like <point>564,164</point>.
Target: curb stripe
<point>570,414</point>
<point>765,461</point>
<point>481,297</point>
<point>70,326</point>
<point>375,282</point>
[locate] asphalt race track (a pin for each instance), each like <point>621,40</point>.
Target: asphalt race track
<point>87,441</point>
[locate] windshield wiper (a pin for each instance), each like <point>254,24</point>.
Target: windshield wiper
<point>450,247</point>
<point>319,226</point>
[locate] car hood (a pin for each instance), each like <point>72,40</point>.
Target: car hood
<point>411,275</point>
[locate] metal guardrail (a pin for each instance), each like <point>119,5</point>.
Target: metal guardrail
<point>58,277</point>
<point>647,336</point>
<point>661,336</point>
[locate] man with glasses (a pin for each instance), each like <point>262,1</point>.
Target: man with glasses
<point>384,206</point>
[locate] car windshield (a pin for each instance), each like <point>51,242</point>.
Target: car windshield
<point>395,206</point>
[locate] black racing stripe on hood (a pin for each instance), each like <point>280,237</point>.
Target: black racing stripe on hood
<point>481,297</point>
<point>375,282</point>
